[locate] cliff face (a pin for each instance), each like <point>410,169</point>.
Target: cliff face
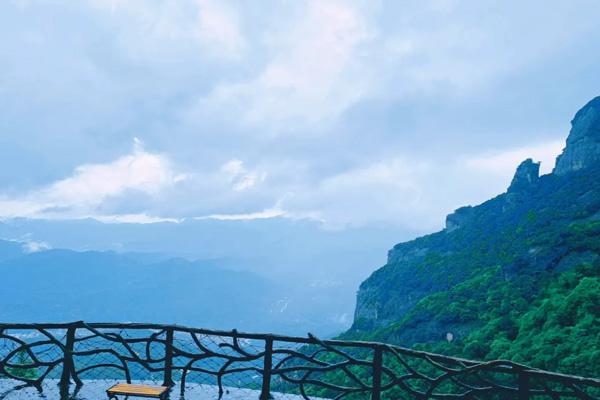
<point>527,174</point>
<point>583,143</point>
<point>517,239</point>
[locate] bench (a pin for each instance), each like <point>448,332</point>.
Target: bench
<point>127,389</point>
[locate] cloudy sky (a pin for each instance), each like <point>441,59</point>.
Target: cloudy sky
<point>351,112</point>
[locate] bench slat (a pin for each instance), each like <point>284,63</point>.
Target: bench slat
<point>137,390</point>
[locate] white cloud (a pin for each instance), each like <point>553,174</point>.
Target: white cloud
<point>331,55</point>
<point>241,178</point>
<point>142,218</point>
<point>385,191</point>
<point>305,63</point>
<point>504,162</point>
<point>213,25</point>
<point>265,214</point>
<point>32,246</point>
<point>84,193</point>
<point>220,25</point>
<point>410,192</point>
<point>314,72</point>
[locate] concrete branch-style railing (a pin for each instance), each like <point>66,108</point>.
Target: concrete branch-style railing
<point>306,367</point>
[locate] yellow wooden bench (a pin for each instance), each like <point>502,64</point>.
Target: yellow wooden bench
<point>127,389</point>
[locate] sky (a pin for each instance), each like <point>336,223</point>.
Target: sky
<point>350,113</point>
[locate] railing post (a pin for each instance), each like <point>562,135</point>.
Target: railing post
<point>377,367</point>
<point>267,369</point>
<point>168,377</point>
<point>523,385</point>
<point>68,366</point>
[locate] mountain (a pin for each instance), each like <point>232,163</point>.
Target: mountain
<point>9,250</point>
<point>314,271</point>
<point>517,277</point>
<point>63,285</point>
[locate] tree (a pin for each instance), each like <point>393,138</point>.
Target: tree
<point>24,373</point>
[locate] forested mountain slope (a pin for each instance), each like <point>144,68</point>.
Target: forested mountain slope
<point>516,277</point>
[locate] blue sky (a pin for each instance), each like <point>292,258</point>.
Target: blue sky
<point>352,113</point>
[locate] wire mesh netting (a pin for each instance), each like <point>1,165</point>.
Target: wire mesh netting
<point>81,361</point>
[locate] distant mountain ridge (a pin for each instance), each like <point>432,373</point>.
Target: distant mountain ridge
<point>64,285</point>
<point>474,288</point>
<point>314,272</point>
<point>253,276</point>
<point>10,250</point>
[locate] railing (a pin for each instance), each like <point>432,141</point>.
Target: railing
<point>75,354</point>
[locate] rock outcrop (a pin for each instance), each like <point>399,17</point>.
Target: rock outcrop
<point>527,173</point>
<point>458,218</point>
<point>583,143</point>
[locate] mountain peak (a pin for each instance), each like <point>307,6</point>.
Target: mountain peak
<point>527,173</point>
<point>583,143</point>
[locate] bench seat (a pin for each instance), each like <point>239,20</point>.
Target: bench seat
<point>128,389</point>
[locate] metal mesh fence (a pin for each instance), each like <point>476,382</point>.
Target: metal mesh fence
<point>81,361</point>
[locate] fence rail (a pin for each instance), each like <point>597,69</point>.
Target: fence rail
<point>267,365</point>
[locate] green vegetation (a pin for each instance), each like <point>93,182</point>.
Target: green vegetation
<point>550,320</point>
<point>26,373</point>
<point>558,331</point>
<point>519,279</point>
<point>547,318</point>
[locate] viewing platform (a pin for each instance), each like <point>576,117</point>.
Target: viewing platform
<point>82,360</point>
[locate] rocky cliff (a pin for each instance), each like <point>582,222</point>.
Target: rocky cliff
<point>528,173</point>
<point>583,143</point>
<point>491,264</point>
